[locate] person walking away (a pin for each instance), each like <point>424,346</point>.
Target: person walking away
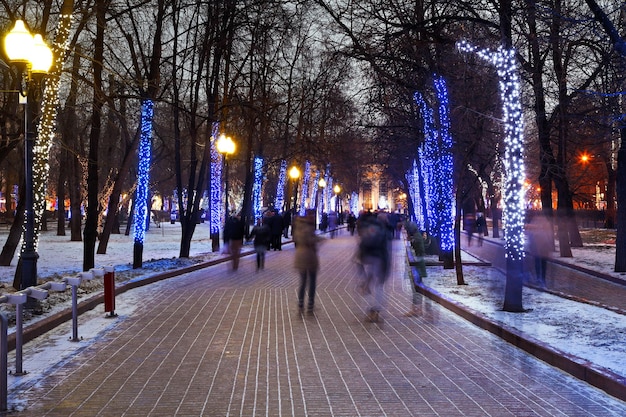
<point>541,245</point>
<point>351,223</point>
<point>416,240</point>
<point>261,234</point>
<point>332,224</point>
<point>287,224</point>
<point>394,221</point>
<point>276,230</point>
<point>374,258</point>
<point>469,226</point>
<point>234,232</point>
<point>324,222</point>
<point>481,224</point>
<point>306,258</point>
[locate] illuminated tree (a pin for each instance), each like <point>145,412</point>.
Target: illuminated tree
<point>505,62</point>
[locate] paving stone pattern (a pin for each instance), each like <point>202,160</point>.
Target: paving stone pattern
<point>217,342</point>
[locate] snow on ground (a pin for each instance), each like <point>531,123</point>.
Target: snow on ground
<point>588,332</point>
<point>591,333</point>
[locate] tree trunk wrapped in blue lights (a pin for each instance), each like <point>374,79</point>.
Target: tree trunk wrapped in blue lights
<point>257,186</point>
<point>435,155</point>
<point>215,191</point>
<point>143,181</point>
<point>280,187</point>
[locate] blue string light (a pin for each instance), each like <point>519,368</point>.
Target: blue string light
<point>444,174</point>
<point>354,202</point>
<point>256,187</point>
<point>280,187</point>
<point>427,153</point>
<point>143,171</point>
<point>215,183</point>
<point>329,196</point>
<point>305,187</point>
<point>316,181</point>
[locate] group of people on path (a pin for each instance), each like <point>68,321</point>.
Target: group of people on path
<point>266,234</point>
<point>475,223</point>
<point>373,253</point>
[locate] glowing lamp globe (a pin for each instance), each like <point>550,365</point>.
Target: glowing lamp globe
<point>41,56</point>
<point>225,145</point>
<point>294,173</point>
<point>18,43</point>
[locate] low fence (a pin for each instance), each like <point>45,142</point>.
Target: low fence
<point>23,298</point>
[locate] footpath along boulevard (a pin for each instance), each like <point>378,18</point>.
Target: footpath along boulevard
<point>216,342</point>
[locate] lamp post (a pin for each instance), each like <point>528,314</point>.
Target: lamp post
<point>294,174</point>
<point>225,146</point>
<point>33,58</point>
<point>337,190</point>
<point>320,190</point>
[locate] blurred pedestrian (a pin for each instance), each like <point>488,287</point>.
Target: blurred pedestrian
<point>234,232</point>
<point>261,234</point>
<point>287,223</point>
<point>324,222</point>
<point>351,223</point>
<point>276,225</point>
<point>306,258</point>
<point>332,223</point>
<point>481,226</point>
<point>469,224</point>
<point>374,258</point>
<point>540,245</point>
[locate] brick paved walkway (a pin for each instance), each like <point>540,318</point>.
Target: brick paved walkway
<point>218,343</point>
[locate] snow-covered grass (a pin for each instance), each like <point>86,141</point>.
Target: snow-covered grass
<point>60,257</point>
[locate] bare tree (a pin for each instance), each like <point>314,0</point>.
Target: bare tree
<point>620,47</point>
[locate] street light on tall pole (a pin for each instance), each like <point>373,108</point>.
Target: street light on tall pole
<point>320,190</point>
<point>294,174</point>
<point>226,147</point>
<point>33,58</point>
<point>337,190</point>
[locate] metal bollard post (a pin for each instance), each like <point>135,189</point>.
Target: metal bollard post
<point>4,351</point>
<point>18,340</point>
<point>74,282</point>
<point>18,299</point>
<point>109,291</point>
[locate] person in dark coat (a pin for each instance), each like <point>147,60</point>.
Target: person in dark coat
<point>373,256</point>
<point>540,245</point>
<point>234,232</point>
<point>275,222</point>
<point>287,223</point>
<point>481,226</point>
<point>262,235</point>
<point>351,223</point>
<point>306,260</point>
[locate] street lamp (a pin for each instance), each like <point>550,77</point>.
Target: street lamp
<point>33,58</point>
<point>321,185</point>
<point>337,190</point>
<point>294,174</point>
<point>320,190</point>
<point>225,146</point>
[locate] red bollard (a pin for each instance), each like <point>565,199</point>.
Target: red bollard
<point>109,291</point>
